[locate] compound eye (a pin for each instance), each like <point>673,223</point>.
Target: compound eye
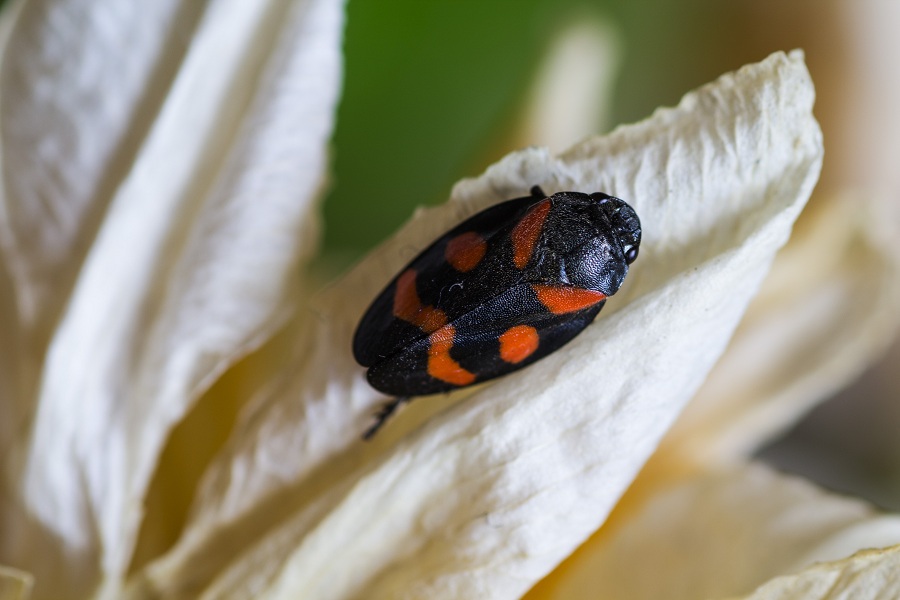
<point>631,253</point>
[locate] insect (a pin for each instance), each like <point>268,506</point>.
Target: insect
<point>501,290</point>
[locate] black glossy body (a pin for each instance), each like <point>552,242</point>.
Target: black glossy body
<point>583,242</point>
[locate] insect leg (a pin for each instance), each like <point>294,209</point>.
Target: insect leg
<point>383,414</point>
<point>537,192</point>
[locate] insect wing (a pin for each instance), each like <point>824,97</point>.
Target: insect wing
<point>499,336</point>
<point>447,280</point>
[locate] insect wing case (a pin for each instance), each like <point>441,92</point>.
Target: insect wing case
<point>429,280</point>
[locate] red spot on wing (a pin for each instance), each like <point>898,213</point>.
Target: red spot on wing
<point>527,231</point>
<point>465,251</point>
<point>518,343</point>
<point>440,364</point>
<point>560,300</point>
<point>408,307</point>
<point>406,298</point>
<point>430,319</point>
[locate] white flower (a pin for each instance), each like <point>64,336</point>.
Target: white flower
<point>159,170</point>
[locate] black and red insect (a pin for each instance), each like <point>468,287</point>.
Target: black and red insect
<point>501,290</point>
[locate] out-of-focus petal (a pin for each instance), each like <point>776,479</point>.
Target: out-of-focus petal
<point>492,494</point>
<point>717,535</point>
<point>867,575</point>
<point>15,584</point>
<point>826,311</point>
<point>570,96</point>
<point>863,123</point>
<point>193,264</point>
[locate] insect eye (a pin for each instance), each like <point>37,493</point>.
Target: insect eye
<point>631,254</point>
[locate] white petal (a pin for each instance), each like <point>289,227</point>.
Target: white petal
<point>868,575</point>
<point>74,77</point>
<point>716,535</point>
<point>78,82</point>
<point>193,265</point>
<point>827,310</point>
<point>485,499</point>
